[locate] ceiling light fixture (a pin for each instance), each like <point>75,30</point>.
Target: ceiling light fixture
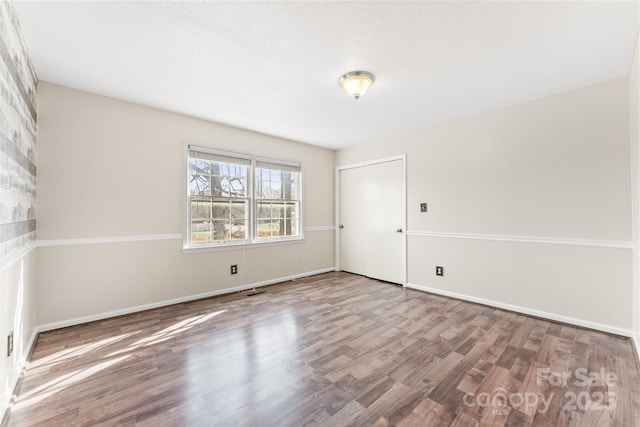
<point>356,83</point>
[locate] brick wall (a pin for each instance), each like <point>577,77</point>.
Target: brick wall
<point>18,119</point>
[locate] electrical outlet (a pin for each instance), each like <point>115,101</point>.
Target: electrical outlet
<point>423,207</point>
<point>10,344</point>
<point>234,269</point>
<point>439,270</point>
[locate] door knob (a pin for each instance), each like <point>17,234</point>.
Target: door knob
<point>341,226</point>
<point>399,230</point>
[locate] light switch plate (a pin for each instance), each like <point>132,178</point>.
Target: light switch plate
<point>423,207</point>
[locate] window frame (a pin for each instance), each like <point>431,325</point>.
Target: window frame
<point>256,199</point>
<point>252,238</point>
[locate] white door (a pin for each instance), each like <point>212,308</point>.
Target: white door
<point>372,218</point>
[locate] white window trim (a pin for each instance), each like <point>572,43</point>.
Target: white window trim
<point>252,240</point>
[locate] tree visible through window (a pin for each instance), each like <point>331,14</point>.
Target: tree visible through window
<point>240,199</point>
<point>219,197</point>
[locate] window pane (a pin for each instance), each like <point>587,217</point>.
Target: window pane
<point>238,230</point>
<point>216,186</point>
<point>263,210</point>
<point>224,185</point>
<point>238,186</point>
<point>199,185</point>
<point>221,210</point>
<point>277,211</point>
<point>275,191</point>
<point>197,166</point>
<point>238,171</point>
<point>200,232</point>
<point>264,228</point>
<point>201,166</point>
<point>289,190</point>
<point>238,210</point>
<point>229,180</point>
<point>285,227</point>
<point>293,227</point>
<point>201,209</point>
<point>292,210</point>
<point>220,230</point>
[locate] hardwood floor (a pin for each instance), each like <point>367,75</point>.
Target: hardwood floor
<point>330,350</point>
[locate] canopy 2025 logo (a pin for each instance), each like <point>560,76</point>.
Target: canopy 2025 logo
<point>583,400</point>
<point>499,400</point>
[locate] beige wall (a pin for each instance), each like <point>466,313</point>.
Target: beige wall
<point>111,168</point>
<point>555,169</point>
<point>634,116</point>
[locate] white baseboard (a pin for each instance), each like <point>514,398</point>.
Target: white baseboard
<point>129,310</point>
<point>22,360</point>
<point>529,311</point>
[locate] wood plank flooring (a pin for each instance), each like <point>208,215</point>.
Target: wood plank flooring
<point>330,350</point>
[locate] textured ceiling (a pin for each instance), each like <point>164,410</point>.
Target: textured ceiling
<point>273,67</point>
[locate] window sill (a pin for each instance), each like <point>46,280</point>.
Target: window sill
<point>243,245</point>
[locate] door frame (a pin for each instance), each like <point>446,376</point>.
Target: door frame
<point>403,159</point>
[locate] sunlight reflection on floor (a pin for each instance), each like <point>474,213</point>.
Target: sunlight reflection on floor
<point>47,365</point>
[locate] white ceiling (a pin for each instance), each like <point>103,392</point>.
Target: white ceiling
<point>273,67</point>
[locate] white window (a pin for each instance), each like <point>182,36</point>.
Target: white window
<point>277,200</point>
<point>238,199</point>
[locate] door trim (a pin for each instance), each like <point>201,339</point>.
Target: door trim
<point>401,157</point>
